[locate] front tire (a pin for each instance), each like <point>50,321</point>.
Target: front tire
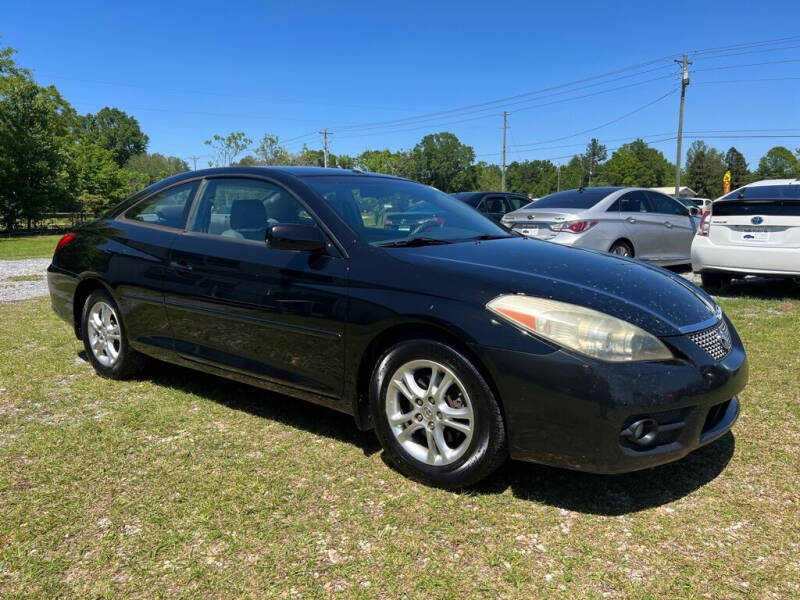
<point>435,415</point>
<point>105,340</point>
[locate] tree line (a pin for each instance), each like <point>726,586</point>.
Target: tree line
<point>53,159</point>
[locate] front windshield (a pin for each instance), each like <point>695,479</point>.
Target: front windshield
<point>387,211</point>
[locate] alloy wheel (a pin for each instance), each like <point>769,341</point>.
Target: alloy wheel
<point>105,335</point>
<point>429,412</point>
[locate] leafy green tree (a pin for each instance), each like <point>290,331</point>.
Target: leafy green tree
<point>145,169</point>
<point>117,132</point>
<point>532,177</point>
<point>36,129</point>
<point>594,156</point>
<point>636,164</point>
<point>227,148</point>
<point>270,152</point>
<point>441,160</point>
<point>736,163</point>
<point>99,181</point>
<point>385,161</point>
<point>705,168</point>
<point>487,177</point>
<point>778,163</point>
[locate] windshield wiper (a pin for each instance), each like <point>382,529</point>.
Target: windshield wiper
<point>489,236</point>
<point>413,242</point>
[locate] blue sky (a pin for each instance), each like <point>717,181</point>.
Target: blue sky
<point>187,71</point>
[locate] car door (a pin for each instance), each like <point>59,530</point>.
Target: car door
<point>493,207</point>
<point>678,224</point>
<point>641,224</point>
<point>138,263</point>
<point>277,315</point>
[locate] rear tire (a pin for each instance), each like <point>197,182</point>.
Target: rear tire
<point>435,415</point>
<point>621,248</point>
<point>714,281</point>
<point>105,339</point>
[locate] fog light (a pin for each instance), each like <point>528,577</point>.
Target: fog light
<point>641,433</point>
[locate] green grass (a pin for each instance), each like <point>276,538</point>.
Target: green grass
<point>36,246</point>
<point>183,485</point>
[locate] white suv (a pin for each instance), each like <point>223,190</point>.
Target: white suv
<point>754,230</point>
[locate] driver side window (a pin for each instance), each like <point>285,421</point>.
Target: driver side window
<point>246,208</point>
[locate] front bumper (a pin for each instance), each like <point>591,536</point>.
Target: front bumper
<point>568,411</point>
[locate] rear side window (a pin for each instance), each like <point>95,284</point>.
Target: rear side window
<point>735,208</point>
<point>635,201</point>
<point>493,204</point>
<point>581,199</point>
<point>665,205</point>
<point>517,202</point>
<point>168,208</point>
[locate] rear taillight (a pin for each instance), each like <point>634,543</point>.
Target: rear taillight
<point>573,226</point>
<point>705,224</point>
<point>63,242</point>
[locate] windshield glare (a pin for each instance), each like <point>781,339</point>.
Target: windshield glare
<point>385,211</point>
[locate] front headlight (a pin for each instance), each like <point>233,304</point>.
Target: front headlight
<point>580,329</point>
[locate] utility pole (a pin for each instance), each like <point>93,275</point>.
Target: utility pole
<point>325,133</point>
<point>503,170</point>
<point>194,160</point>
<point>684,63</point>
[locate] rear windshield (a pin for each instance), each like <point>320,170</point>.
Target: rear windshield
<point>780,207</point>
<point>583,199</point>
<point>765,191</point>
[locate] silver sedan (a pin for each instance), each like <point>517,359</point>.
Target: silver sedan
<point>628,221</point>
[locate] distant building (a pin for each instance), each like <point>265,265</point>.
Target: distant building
<point>684,191</point>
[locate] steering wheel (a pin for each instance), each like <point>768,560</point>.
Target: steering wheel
<point>428,225</point>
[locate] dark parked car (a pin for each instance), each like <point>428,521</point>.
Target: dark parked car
<point>493,204</point>
<point>459,347</point>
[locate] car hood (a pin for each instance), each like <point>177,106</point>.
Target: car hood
<point>650,297</point>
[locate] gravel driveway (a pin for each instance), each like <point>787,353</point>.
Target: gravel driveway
<point>23,279</point>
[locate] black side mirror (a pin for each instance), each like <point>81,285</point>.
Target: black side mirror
<point>694,211</point>
<point>292,236</point>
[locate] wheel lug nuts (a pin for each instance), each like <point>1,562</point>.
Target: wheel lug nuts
<point>431,400</point>
<point>419,401</point>
<point>418,417</point>
<point>438,415</point>
<point>430,425</point>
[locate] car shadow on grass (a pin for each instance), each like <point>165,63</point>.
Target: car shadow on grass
<point>292,412</point>
<point>612,495</point>
<point>761,288</point>
<point>563,488</point>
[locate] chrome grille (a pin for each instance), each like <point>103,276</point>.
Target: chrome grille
<point>715,341</point>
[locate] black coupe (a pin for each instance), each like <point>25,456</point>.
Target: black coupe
<point>459,343</point>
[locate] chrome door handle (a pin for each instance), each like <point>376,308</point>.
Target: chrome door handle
<point>668,223</point>
<point>181,266</point>
<point>631,220</point>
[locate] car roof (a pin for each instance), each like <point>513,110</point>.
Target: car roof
<point>297,171</point>
<point>484,193</point>
<point>773,182</point>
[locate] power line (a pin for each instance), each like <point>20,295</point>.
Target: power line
<point>606,124</point>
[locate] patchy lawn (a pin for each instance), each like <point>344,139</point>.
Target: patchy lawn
<point>35,246</point>
<point>184,485</point>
